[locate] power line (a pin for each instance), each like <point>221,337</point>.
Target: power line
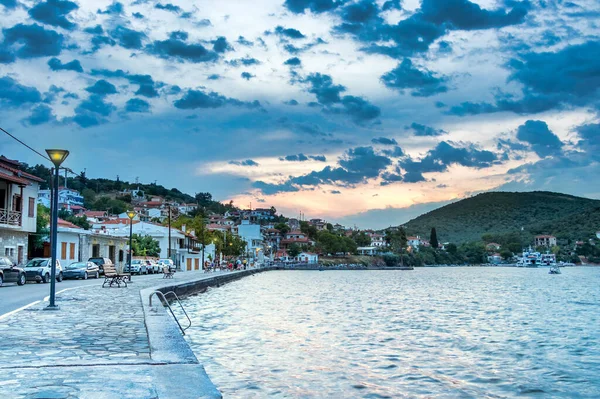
<point>37,152</point>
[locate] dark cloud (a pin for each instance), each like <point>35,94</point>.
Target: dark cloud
<point>56,65</point>
<point>270,189</point>
<point>168,7</point>
<point>194,99</point>
<point>423,130</point>
<point>128,38</point>
<point>137,15</point>
<point>14,94</point>
<point>246,61</point>
<point>179,50</point>
<point>40,115</point>
<point>242,40</point>
<point>302,158</point>
<point>590,140</point>
<point>96,30</point>
<point>543,142</point>
<point>147,86</point>
<point>329,95</point>
<point>422,83</point>
<point>115,8</point>
<point>247,162</point>
<point>6,55</point>
<point>52,93</point>
<point>335,192</point>
<point>568,77</point>
<point>214,76</point>
<point>95,104</point>
<point>290,48</point>
<point>33,40</point>
<point>102,88</point>
<point>384,141</point>
<point>315,6</point>
<point>394,153</point>
<point>290,33</point>
<point>465,15</point>
<point>9,4</point>
<point>291,102</point>
<point>294,61</point>
<point>320,158</point>
<point>54,12</point>
<point>137,105</point>
<point>247,75</point>
<point>221,45</point>
<point>392,5</point>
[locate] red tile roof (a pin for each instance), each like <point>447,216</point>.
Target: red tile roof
<point>18,172</point>
<point>13,179</point>
<point>64,223</point>
<point>94,214</point>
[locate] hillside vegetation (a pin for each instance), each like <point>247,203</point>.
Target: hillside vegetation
<point>528,214</point>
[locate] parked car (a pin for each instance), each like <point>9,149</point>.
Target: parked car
<point>39,270</point>
<point>10,273</point>
<point>167,263</point>
<point>100,262</point>
<point>153,266</point>
<point>82,270</point>
<point>137,267</point>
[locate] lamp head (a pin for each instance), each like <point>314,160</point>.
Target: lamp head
<point>131,214</point>
<point>57,156</point>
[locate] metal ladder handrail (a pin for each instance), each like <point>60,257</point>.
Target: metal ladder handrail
<point>165,301</point>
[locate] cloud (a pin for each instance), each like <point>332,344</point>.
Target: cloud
<point>302,158</point>
<point>422,83</point>
<point>14,94</point>
<point>214,76</point>
<point>315,6</point>
<point>115,8</point>
<point>335,192</point>
<point>291,102</point>
<point>329,95</point>
<point>179,50</point>
<point>543,142</point>
<point>426,131</point>
<point>34,41</point>
<point>9,4</point>
<point>95,103</point>
<point>244,42</point>
<point>179,35</point>
<point>394,153</point>
<point>137,15</point>
<point>168,7</point>
<point>289,33</point>
<point>247,162</point>
<point>246,61</point>
<point>590,140</point>
<point>6,55</point>
<point>221,45</point>
<point>137,105</point>
<point>194,99</point>
<point>54,12</point>
<point>56,65</point>
<point>384,141</point>
<point>294,61</point>
<point>392,5</point>
<point>247,75</point>
<point>102,88</point>
<point>147,86</point>
<point>40,115</point>
<point>128,38</point>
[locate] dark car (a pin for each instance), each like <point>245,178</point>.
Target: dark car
<point>100,262</point>
<point>10,273</point>
<point>82,270</point>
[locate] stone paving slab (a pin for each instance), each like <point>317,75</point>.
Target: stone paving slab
<point>98,346</point>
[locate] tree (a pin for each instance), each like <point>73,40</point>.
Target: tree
<point>308,229</point>
<point>396,239</point>
<point>80,221</point>
<point>362,239</point>
<point>144,246</point>
<point>203,199</point>
<point>294,250</point>
<point>433,239</point>
<point>451,249</point>
<point>506,254</point>
<point>42,223</point>
<point>283,228</point>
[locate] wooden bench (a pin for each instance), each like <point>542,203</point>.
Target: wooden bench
<point>168,272</point>
<point>112,277</point>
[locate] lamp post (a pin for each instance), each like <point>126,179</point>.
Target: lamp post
<point>57,157</point>
<point>130,215</point>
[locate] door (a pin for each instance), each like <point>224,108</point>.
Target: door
<point>197,264</point>
<point>20,254</point>
<point>111,253</point>
<point>189,264</point>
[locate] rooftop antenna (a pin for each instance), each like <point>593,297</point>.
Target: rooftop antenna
<point>137,180</point>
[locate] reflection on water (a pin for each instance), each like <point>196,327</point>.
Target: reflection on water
<point>431,332</point>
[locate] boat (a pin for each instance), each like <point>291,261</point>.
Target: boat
<point>531,258</point>
<point>554,270</point>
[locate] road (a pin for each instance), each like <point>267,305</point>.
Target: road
<point>13,297</point>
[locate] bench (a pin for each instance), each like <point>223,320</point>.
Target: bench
<point>112,277</point>
<point>168,272</point>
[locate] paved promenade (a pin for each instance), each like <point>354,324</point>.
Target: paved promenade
<point>101,344</point>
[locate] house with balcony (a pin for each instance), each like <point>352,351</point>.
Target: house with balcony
<point>252,234</point>
<point>18,209</point>
<point>547,241</point>
<point>377,240</point>
<point>68,199</point>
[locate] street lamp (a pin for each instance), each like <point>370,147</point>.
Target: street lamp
<point>57,157</point>
<point>130,215</point>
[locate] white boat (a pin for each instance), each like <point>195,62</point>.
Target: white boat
<point>531,258</point>
<point>554,270</point>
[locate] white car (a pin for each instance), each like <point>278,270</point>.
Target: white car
<point>39,270</point>
<point>137,267</point>
<point>153,266</point>
<point>167,263</point>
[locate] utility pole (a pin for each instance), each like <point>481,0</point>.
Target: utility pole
<point>169,250</point>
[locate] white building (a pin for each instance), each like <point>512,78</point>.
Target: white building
<point>186,209</point>
<point>377,240</point>
<point>67,198</point>
<point>308,257</point>
<point>251,233</point>
<point>18,209</point>
<point>369,251</point>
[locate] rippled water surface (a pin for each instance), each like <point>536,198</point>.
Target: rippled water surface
<point>427,333</point>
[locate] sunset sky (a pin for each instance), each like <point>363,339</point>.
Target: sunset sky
<point>363,112</point>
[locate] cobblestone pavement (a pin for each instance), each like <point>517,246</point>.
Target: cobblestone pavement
<point>44,353</point>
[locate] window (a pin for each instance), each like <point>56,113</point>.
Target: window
<point>31,207</point>
<point>9,251</point>
<point>63,250</point>
<point>72,250</point>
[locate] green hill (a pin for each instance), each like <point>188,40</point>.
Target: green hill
<point>500,213</point>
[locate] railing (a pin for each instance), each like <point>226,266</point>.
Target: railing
<point>12,218</point>
<point>164,301</point>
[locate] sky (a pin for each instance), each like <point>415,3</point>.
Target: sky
<point>366,112</point>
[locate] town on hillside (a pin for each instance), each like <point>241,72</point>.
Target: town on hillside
<point>197,233</point>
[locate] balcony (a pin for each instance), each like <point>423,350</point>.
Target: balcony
<point>10,218</point>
